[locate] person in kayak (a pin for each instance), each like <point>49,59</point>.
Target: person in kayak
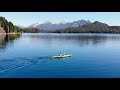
<point>60,54</point>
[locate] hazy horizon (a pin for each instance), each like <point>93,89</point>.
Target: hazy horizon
<point>28,18</point>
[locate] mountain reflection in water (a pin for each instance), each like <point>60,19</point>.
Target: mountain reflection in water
<point>78,39</point>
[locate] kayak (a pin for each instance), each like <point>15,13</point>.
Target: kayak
<point>63,56</point>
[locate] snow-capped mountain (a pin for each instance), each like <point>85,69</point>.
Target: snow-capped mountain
<point>62,25</point>
<point>33,25</point>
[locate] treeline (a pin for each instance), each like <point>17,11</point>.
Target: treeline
<point>34,30</point>
<point>30,30</point>
<point>8,27</point>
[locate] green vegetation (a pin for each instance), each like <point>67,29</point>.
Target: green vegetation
<point>30,30</point>
<point>34,30</point>
<point>8,27</point>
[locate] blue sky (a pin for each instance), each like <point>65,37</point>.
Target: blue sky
<point>28,18</point>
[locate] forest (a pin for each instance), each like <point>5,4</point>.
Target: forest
<point>8,27</point>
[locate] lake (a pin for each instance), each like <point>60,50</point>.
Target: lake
<point>28,55</point>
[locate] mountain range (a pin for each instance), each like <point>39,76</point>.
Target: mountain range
<point>80,26</point>
<point>55,26</point>
<point>95,27</point>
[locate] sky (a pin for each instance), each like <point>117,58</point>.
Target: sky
<point>28,18</point>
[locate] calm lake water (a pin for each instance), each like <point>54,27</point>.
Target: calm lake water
<point>28,56</point>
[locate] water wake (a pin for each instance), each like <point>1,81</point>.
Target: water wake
<point>7,64</point>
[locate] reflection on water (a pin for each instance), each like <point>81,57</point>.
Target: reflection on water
<point>78,39</point>
<point>7,40</point>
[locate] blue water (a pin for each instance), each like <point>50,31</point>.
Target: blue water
<point>28,56</point>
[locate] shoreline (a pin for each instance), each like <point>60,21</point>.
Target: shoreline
<point>10,33</point>
<point>63,33</point>
<point>80,33</point>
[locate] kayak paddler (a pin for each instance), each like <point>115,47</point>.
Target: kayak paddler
<point>60,54</point>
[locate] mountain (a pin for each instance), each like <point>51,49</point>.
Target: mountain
<point>33,25</point>
<point>50,26</point>
<point>76,27</point>
<point>7,27</point>
<point>95,27</point>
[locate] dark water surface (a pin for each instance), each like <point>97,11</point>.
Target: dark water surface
<point>28,56</point>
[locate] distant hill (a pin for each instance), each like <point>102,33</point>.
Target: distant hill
<point>7,27</point>
<point>95,27</point>
<point>50,26</point>
<point>30,30</point>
